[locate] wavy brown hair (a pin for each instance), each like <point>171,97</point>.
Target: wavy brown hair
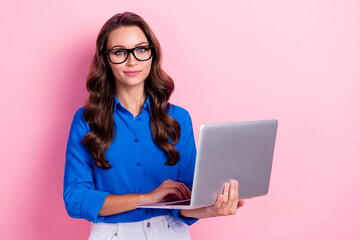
<point>99,107</point>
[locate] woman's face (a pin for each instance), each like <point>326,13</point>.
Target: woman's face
<point>132,72</point>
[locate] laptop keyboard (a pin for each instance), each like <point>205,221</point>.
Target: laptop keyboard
<point>186,202</point>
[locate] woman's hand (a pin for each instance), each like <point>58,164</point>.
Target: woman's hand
<point>228,202</point>
<point>169,190</point>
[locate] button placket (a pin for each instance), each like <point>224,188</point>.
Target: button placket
<point>136,140</point>
<point>138,126</point>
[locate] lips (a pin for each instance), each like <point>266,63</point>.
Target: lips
<point>132,73</point>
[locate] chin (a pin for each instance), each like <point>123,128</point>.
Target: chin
<point>131,82</point>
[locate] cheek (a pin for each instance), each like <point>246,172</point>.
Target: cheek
<point>116,69</point>
<point>148,66</point>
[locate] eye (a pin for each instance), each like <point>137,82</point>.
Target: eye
<point>119,52</point>
<point>142,49</point>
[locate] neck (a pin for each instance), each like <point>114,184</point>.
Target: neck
<point>132,99</point>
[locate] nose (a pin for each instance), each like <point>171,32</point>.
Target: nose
<point>131,60</point>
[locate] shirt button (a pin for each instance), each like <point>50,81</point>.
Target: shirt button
<point>148,224</point>
<point>115,234</point>
<point>130,118</point>
<point>139,119</point>
<point>136,140</point>
<point>138,164</point>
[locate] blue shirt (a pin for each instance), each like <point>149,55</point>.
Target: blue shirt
<point>138,165</point>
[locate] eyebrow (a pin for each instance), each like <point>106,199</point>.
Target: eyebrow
<point>136,45</point>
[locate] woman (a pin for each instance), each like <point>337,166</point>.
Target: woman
<point>128,146</point>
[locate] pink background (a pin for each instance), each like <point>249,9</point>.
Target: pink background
<point>296,61</point>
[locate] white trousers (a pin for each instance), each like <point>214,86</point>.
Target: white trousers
<point>161,227</point>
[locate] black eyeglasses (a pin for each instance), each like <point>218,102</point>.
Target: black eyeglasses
<point>120,55</point>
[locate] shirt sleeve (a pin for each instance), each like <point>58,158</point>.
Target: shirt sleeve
<point>81,198</point>
<point>187,150</point>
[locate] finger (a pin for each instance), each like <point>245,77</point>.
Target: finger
<point>232,198</point>
<point>226,193</point>
<point>174,191</point>
<point>219,201</point>
<point>187,191</point>
<point>170,197</point>
<point>181,188</point>
<point>236,198</point>
<point>237,189</point>
<point>184,190</point>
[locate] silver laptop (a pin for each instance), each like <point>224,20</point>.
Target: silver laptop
<point>242,151</point>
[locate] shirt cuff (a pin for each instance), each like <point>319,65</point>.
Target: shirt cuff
<point>92,204</point>
<point>188,221</point>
